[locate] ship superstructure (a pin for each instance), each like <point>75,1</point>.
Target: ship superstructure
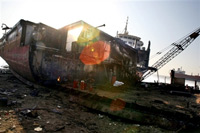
<point>136,43</point>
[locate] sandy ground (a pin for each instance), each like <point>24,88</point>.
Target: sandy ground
<point>24,109</point>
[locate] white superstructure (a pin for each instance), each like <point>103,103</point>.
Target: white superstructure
<point>131,40</point>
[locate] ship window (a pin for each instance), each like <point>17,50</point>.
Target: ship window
<point>12,36</point>
<point>51,37</point>
<point>29,31</point>
<point>129,42</point>
<point>20,30</point>
<point>15,34</point>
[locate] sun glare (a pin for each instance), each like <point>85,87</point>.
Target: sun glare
<point>74,33</point>
<point>72,36</point>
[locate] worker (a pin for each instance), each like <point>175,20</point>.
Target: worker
<point>187,88</point>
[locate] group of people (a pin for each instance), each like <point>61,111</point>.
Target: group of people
<point>191,88</point>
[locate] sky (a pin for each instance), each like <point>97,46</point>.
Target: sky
<point>160,21</point>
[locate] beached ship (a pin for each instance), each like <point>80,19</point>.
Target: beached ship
<point>79,51</point>
<point>179,76</point>
<point>179,73</point>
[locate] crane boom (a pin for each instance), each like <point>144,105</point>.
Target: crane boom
<point>177,48</point>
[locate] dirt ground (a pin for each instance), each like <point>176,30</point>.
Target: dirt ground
<point>25,109</point>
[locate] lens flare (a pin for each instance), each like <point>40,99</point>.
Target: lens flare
<point>88,35</point>
<point>95,53</point>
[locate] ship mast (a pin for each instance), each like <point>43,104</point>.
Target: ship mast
<point>125,30</point>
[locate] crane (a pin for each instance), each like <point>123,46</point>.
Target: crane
<point>177,48</point>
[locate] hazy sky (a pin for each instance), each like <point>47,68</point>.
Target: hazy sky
<point>160,21</point>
